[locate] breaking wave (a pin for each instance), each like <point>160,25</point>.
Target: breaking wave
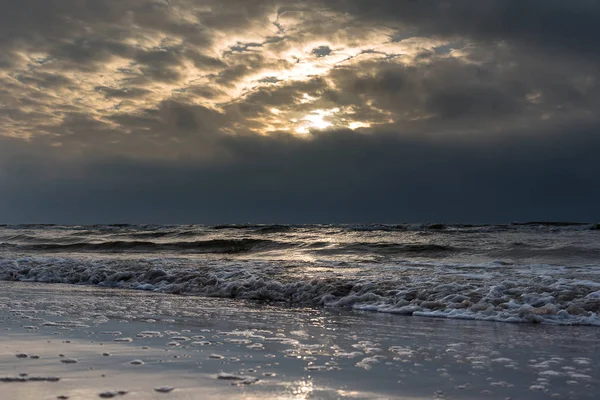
<point>492,292</point>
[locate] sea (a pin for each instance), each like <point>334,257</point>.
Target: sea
<point>537,272</point>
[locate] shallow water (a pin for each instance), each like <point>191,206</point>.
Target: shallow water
<point>201,346</point>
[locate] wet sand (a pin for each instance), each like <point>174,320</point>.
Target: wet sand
<point>90,343</point>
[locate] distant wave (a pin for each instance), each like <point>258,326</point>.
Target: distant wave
<point>555,242</point>
<point>276,228</point>
<point>468,228</point>
<point>206,246</point>
<point>379,227</point>
<point>165,234</point>
<point>232,246</point>
<point>392,248</point>
<point>256,228</point>
<point>549,223</point>
<point>153,235</point>
<point>24,238</point>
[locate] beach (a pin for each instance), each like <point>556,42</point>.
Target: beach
<point>96,342</point>
<point>300,199</point>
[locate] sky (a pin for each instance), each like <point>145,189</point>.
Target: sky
<point>330,111</point>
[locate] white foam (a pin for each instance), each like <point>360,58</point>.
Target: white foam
<point>508,293</point>
<point>147,334</point>
<point>551,373</point>
<point>367,363</point>
<point>245,379</point>
<point>123,340</point>
<point>201,343</point>
<point>575,375</point>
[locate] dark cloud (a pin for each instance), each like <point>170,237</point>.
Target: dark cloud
<point>87,53</point>
<point>470,102</point>
<point>322,51</point>
<point>552,24</point>
<point>339,176</point>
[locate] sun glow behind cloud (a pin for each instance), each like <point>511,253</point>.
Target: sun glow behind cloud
<point>291,53</point>
<point>315,120</point>
<point>270,93</point>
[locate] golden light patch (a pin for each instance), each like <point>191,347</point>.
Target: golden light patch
<point>282,50</point>
<point>358,124</point>
<point>315,120</point>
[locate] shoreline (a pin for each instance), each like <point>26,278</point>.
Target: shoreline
<point>185,342</point>
<point>553,295</point>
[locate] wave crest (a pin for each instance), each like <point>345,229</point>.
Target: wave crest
<point>495,292</point>
<point>223,246</point>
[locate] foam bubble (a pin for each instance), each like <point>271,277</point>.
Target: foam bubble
<point>123,340</point>
<point>149,334</point>
<point>367,363</point>
<point>180,338</point>
<point>237,379</point>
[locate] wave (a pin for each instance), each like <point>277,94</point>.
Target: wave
<point>232,226</point>
<point>255,228</point>
<point>165,234</point>
<point>223,246</point>
<point>550,223</point>
<point>280,228</point>
<point>493,292</point>
<point>21,237</point>
<point>392,249</point>
<point>274,229</point>
<point>226,246</point>
<point>153,235</point>
<point>529,250</point>
<point>379,227</point>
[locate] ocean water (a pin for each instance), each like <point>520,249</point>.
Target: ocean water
<point>528,273</point>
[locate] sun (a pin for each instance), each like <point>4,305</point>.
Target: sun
<point>312,121</point>
<point>316,120</point>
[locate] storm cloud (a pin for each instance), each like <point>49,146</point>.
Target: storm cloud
<point>298,111</point>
